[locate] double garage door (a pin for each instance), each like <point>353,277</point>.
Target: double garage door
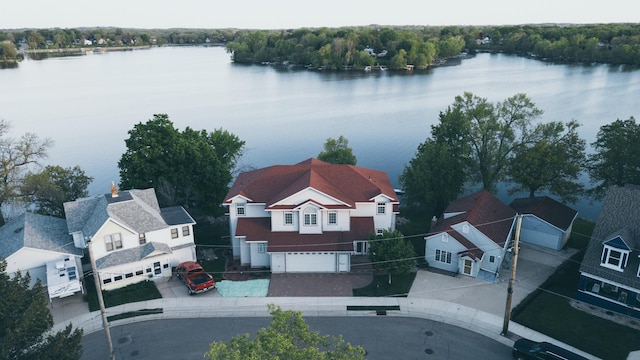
<point>310,262</point>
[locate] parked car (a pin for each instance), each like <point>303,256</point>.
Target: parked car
<point>194,276</point>
<point>524,349</point>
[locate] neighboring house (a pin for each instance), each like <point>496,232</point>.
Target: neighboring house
<point>132,238</point>
<point>308,217</point>
<point>545,221</point>
<point>471,237</point>
<point>41,246</point>
<point>610,270</point>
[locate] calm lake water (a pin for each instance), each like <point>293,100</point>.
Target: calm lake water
<point>86,104</point>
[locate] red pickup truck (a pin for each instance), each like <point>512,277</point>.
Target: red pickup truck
<point>197,280</point>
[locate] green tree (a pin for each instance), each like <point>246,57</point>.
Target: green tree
<point>337,152</point>
<point>16,156</point>
<point>49,189</point>
<point>391,252</point>
<point>616,160</point>
<point>433,177</point>
<point>26,322</point>
<point>7,50</point>
<point>494,131</point>
<point>190,168</point>
<point>287,337</point>
<point>553,162</point>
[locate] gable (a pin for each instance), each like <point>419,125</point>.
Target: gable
<point>617,227</point>
<point>308,195</point>
<point>341,183</point>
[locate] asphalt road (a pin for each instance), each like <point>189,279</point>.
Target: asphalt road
<point>382,337</point>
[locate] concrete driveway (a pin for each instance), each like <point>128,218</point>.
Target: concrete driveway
<point>535,264</point>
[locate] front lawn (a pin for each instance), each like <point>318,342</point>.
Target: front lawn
<point>548,310</point>
<point>399,287</point>
<point>142,291</point>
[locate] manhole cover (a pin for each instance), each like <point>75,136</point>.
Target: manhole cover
<point>428,333</point>
<point>428,351</point>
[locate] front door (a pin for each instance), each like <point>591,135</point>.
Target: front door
<point>362,247</point>
<point>343,262</point>
<point>467,267</point>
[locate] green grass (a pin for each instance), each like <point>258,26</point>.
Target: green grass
<point>134,314</point>
<point>399,287</point>
<point>142,291</point>
<point>547,310</point>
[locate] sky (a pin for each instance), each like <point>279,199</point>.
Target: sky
<point>288,14</point>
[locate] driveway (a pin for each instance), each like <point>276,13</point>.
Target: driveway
<point>317,284</point>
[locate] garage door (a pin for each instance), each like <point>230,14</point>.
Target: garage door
<point>311,262</point>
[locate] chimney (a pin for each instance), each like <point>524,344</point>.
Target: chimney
<point>434,220</point>
<point>114,190</point>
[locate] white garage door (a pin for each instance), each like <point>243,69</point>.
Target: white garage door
<point>311,262</point>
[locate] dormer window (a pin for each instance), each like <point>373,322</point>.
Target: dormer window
<point>310,217</point>
<point>240,209</point>
<point>288,218</point>
<point>382,208</point>
<point>615,254</point>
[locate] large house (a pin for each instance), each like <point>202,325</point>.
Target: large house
<point>308,217</point>
<point>545,221</point>
<point>131,237</point>
<point>471,237</point>
<point>610,270</point>
<point>41,246</point>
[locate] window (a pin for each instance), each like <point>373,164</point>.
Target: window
<point>333,217</point>
<point>156,268</point>
<point>382,208</point>
<point>185,231</point>
<point>113,241</point>
<point>288,218</point>
<point>106,281</point>
<point>379,232</point>
<point>117,278</point>
<point>128,275</point>
<point>262,248</point>
<point>240,209</point>
<point>492,258</point>
<point>174,233</point>
<point>310,217</point>
<point>139,272</point>
<point>614,258</point>
<point>443,256</point>
<point>142,239</point>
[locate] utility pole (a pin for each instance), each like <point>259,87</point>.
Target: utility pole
<point>103,312</point>
<point>507,309</point>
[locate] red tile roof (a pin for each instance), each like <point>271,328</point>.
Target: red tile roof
<point>259,229</point>
<point>482,210</point>
<point>547,209</point>
<point>346,183</point>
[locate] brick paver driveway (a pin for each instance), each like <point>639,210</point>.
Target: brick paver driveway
<point>317,284</point>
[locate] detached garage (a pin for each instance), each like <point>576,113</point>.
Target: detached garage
<point>306,262</point>
<point>545,222</point>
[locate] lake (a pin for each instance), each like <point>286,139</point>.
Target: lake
<point>86,104</point>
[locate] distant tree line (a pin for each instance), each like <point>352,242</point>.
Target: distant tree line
<point>357,47</point>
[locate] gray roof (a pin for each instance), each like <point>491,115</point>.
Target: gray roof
<point>132,255</point>
<point>620,216</point>
<point>137,210</point>
<point>36,231</point>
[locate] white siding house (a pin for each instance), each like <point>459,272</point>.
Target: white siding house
<point>131,237</point>
<point>41,246</point>
<point>308,217</point>
<point>472,236</point>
